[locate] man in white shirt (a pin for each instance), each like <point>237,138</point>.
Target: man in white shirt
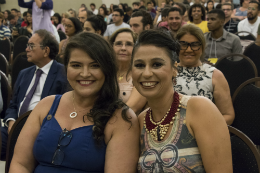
<point>118,16</point>
<point>93,8</point>
<point>251,23</point>
<point>46,78</point>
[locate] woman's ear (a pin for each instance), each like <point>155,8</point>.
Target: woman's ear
<point>98,32</point>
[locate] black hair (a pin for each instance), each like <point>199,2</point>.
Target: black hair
<point>207,5</point>
<point>11,16</point>
<point>147,18</point>
<point>92,4</point>
<point>98,23</point>
<point>241,2</point>
<point>14,9</point>
<point>115,7</point>
<point>203,11</point>
<point>108,100</point>
<point>158,38</point>
<point>58,16</point>
<point>29,12</point>
<point>149,3</point>
<point>154,3</point>
<point>89,14</point>
<point>24,13</point>
<point>219,6</point>
<point>128,9</point>
<point>182,6</point>
<point>126,5</point>
<point>231,5</point>
<point>76,23</point>
<point>105,10</point>
<point>255,2</point>
<point>220,13</point>
<point>172,9</point>
<point>122,6</point>
<point>136,3</point>
<point>48,40</point>
<point>120,11</point>
<point>165,12</point>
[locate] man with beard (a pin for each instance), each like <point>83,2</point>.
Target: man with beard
<point>230,24</point>
<point>174,20</point>
<point>252,21</point>
<point>219,42</point>
<point>82,17</point>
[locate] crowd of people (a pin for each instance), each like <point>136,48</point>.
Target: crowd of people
<point>136,90</point>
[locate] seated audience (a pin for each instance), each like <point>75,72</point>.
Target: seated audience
<point>175,20</point>
<point>210,6</point>
<point>118,16</point>
<point>103,12</point>
<point>128,14</point>
<point>4,30</point>
<point>28,30</point>
<point>95,24</point>
<point>230,24</point>
<point>56,19</point>
<point>13,23</point>
<point>252,21</point>
<point>72,27</point>
<point>140,21</point>
<point>197,16</point>
<point>149,9</point>
<point>64,16</point>
<point>123,41</point>
<point>240,13</point>
<point>93,8</point>
<point>110,20</point>
<point>72,12</point>
<point>198,78</point>
<point>161,15</point>
<point>179,133</point>
<point>41,19</point>
<point>83,15</point>
<point>136,6</point>
<point>121,6</point>
<point>18,19</point>
<point>24,23</point>
<point>45,78</point>
<point>6,21</point>
<point>87,129</point>
<point>181,6</point>
<point>219,42</point>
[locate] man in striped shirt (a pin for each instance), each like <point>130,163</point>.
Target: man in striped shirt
<point>4,30</point>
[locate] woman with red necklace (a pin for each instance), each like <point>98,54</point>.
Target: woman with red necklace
<point>178,133</point>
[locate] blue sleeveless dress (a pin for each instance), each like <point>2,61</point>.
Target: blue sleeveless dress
<point>81,155</point>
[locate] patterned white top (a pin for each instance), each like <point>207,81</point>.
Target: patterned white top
<point>195,81</point>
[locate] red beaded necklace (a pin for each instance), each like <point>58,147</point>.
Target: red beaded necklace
<point>159,129</point>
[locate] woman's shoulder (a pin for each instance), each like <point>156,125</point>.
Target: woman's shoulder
<point>123,115</point>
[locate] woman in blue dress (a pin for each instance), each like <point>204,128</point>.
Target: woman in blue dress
<point>87,129</point>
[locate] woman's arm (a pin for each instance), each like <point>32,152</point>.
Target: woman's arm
<point>23,160</point>
<point>207,125</point>
<point>122,151</point>
<point>221,93</point>
<point>136,101</point>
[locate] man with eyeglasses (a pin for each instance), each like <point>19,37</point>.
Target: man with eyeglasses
<point>230,24</point>
<point>46,77</point>
<point>250,24</point>
<point>219,42</point>
<point>118,16</point>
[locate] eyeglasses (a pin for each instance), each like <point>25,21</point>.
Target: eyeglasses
<point>31,46</point>
<point>127,44</point>
<point>250,8</point>
<point>65,138</point>
<point>193,45</point>
<point>226,9</point>
<point>116,15</point>
<point>68,26</point>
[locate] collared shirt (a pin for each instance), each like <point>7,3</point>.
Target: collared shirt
<point>4,32</point>
<point>231,26</point>
<point>38,91</point>
<point>216,48</point>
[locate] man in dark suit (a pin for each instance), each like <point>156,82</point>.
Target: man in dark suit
<point>46,78</point>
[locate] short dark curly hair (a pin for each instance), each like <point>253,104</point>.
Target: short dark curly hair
<point>48,40</point>
<point>203,17</point>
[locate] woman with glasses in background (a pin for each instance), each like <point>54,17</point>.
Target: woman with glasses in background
<point>72,27</point>
<point>87,129</point>
<point>198,78</point>
<point>123,41</point>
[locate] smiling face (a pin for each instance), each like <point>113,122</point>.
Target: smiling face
<point>174,20</point>
<point>123,46</point>
<point>189,57</point>
<point>196,13</point>
<point>84,74</point>
<point>152,71</point>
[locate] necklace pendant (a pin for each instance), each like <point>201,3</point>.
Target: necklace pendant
<point>73,115</point>
<point>120,78</point>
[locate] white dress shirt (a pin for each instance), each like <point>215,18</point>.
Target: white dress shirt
<point>38,91</point>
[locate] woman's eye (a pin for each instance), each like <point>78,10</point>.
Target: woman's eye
<point>157,64</point>
<point>95,65</point>
<point>139,65</point>
<point>75,65</point>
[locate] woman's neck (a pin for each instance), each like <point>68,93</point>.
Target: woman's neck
<point>82,102</point>
<point>123,67</point>
<point>197,64</point>
<point>161,105</point>
<point>197,21</point>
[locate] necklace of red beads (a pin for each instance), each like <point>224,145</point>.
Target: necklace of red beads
<point>159,129</point>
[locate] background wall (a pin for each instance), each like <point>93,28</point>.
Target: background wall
<point>63,5</point>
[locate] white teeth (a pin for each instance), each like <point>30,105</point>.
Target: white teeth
<point>148,83</point>
<point>85,82</point>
